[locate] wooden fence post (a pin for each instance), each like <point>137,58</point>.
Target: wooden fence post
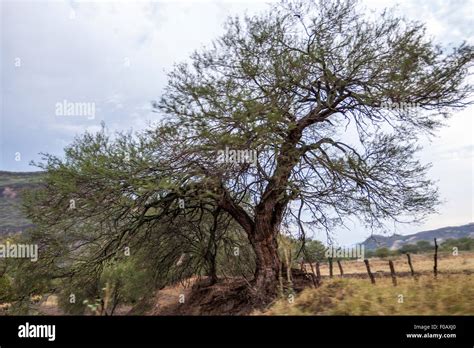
<point>435,268</point>
<point>340,267</point>
<point>371,276</point>
<point>392,272</point>
<point>411,266</point>
<point>318,272</point>
<point>288,266</point>
<point>330,267</point>
<point>314,277</point>
<point>280,276</point>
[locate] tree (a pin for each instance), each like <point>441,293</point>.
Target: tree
<point>286,84</point>
<point>382,252</point>
<point>464,243</point>
<point>279,90</point>
<point>315,251</point>
<point>409,249</point>
<point>424,245</point>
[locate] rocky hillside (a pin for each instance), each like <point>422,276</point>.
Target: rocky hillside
<point>396,241</point>
<point>11,185</point>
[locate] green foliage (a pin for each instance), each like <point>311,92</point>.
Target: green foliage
<point>464,244</point>
<point>382,252</point>
<point>138,230</point>
<point>314,251</point>
<point>5,288</point>
<point>423,247</point>
<point>121,282</point>
<point>369,254</point>
<point>310,250</point>
<point>409,249</point>
<point>129,280</point>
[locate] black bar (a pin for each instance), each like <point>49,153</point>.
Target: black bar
<point>224,330</point>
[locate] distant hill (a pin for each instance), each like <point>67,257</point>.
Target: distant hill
<point>396,241</point>
<point>11,184</point>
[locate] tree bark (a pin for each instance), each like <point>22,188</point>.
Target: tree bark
<point>262,232</point>
<point>340,268</point>
<point>212,269</point>
<point>392,272</point>
<point>211,252</point>
<point>411,266</point>
<point>371,276</point>
<point>267,265</point>
<point>318,272</point>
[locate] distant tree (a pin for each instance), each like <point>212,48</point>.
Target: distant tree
<point>464,243</point>
<point>424,245</point>
<point>314,251</point>
<point>307,250</point>
<point>409,248</point>
<point>369,254</point>
<point>382,252</point>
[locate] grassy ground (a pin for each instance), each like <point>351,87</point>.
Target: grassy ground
<point>451,293</point>
<point>446,295</point>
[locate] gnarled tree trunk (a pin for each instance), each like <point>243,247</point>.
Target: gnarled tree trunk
<point>265,245</point>
<point>267,266</point>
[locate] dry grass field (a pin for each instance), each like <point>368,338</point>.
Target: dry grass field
<point>447,263</point>
<point>450,293</point>
<point>446,295</point>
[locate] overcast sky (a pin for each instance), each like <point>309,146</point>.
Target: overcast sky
<point>116,55</point>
